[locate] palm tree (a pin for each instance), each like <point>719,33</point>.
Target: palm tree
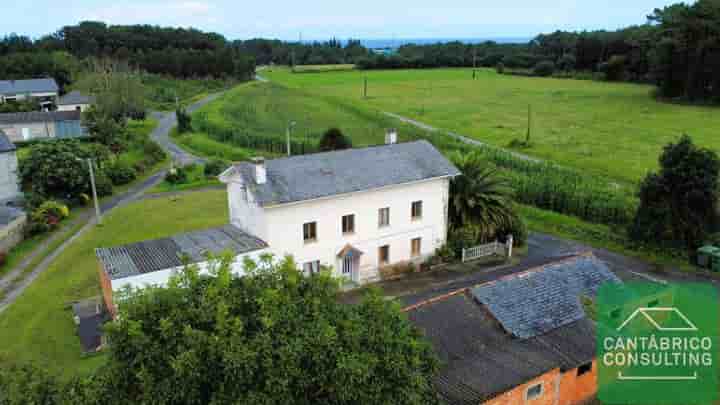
<point>480,197</point>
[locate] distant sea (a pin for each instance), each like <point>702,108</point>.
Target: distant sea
<point>390,43</point>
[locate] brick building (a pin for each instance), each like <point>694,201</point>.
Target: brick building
<point>522,339</point>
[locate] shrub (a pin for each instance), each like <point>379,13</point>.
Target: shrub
<point>334,139</point>
<point>214,167</point>
<point>544,69</point>
<point>120,173</point>
<point>500,68</point>
<point>178,175</point>
<point>47,216</point>
<point>103,185</point>
<point>3,258</point>
<point>153,152</point>
<point>184,121</point>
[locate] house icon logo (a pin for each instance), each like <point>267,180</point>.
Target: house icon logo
<point>658,344</point>
<point>648,313</point>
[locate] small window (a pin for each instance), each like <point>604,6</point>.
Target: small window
<point>384,217</point>
<point>416,210</point>
<point>584,369</point>
<point>534,391</point>
<point>384,255</point>
<point>311,267</point>
<point>348,224</point>
<point>415,247</point>
<point>310,232</point>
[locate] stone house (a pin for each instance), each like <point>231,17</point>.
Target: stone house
<point>9,182</point>
<point>45,91</point>
<point>27,126</point>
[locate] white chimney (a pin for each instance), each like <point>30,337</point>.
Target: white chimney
<point>391,136</point>
<point>260,171</point>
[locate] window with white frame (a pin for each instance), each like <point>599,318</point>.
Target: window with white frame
<point>534,391</point>
<point>312,267</point>
<point>384,217</point>
<point>310,232</point>
<point>348,224</point>
<point>416,210</point>
<point>415,247</point>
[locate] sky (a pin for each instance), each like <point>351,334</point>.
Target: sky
<point>322,19</point>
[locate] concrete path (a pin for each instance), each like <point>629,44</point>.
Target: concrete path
<point>18,279</point>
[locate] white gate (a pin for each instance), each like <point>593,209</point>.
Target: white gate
<point>493,248</point>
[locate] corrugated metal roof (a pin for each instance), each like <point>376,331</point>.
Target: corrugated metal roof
<point>75,97</point>
<point>318,175</point>
<point>5,144</point>
<point>14,87</point>
<point>541,300</point>
<point>160,254</point>
<point>39,116</point>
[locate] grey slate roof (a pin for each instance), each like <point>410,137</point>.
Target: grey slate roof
<point>13,87</point>
<point>160,254</point>
<point>39,116</point>
<point>318,175</point>
<point>541,300</point>
<point>5,144</point>
<point>75,97</point>
<point>481,361</point>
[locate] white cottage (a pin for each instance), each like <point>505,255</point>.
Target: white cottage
<point>354,211</point>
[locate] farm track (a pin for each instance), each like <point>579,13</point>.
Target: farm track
<point>18,279</point>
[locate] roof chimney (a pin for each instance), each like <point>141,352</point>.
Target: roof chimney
<point>391,136</point>
<point>260,171</point>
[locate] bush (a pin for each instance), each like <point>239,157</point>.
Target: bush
<point>214,167</point>
<point>120,173</point>
<point>153,152</point>
<point>544,69</point>
<point>47,216</point>
<point>103,185</point>
<point>178,175</point>
<point>184,121</point>
<point>334,139</point>
<point>500,68</point>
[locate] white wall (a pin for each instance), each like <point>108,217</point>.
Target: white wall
<point>160,278</point>
<point>245,213</point>
<point>8,176</point>
<point>285,225</point>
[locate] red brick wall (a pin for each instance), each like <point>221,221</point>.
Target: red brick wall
<point>107,292</point>
<point>558,389</point>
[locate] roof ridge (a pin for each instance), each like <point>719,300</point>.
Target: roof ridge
<point>525,272</point>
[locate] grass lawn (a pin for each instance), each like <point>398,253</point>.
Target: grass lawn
<point>609,129</point>
<point>196,179</point>
<point>38,327</point>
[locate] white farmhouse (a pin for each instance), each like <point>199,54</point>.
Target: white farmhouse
<point>75,101</point>
<point>355,211</point>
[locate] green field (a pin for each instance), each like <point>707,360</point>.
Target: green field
<point>265,110</point>
<point>160,91</point>
<point>609,129</point>
<point>38,327</point>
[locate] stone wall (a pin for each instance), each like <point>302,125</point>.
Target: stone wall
<point>12,233</point>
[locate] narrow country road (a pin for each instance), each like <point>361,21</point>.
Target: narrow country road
<point>18,279</point>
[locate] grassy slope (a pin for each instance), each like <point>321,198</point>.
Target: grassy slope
<point>161,90</point>
<point>39,327</point>
<point>611,129</point>
<point>266,109</point>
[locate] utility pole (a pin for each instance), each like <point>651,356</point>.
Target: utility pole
<point>291,124</point>
<point>527,136</point>
<point>94,190</point>
<point>474,61</point>
<point>365,87</point>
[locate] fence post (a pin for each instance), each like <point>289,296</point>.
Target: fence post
<point>463,255</point>
<point>509,246</point>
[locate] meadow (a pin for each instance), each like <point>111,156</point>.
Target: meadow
<point>39,327</point>
<point>615,130</point>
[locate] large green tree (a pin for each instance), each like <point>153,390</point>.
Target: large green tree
<point>678,204</point>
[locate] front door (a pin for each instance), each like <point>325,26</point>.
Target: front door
<point>348,266</point>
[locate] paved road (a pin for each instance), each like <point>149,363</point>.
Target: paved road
<point>10,284</point>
